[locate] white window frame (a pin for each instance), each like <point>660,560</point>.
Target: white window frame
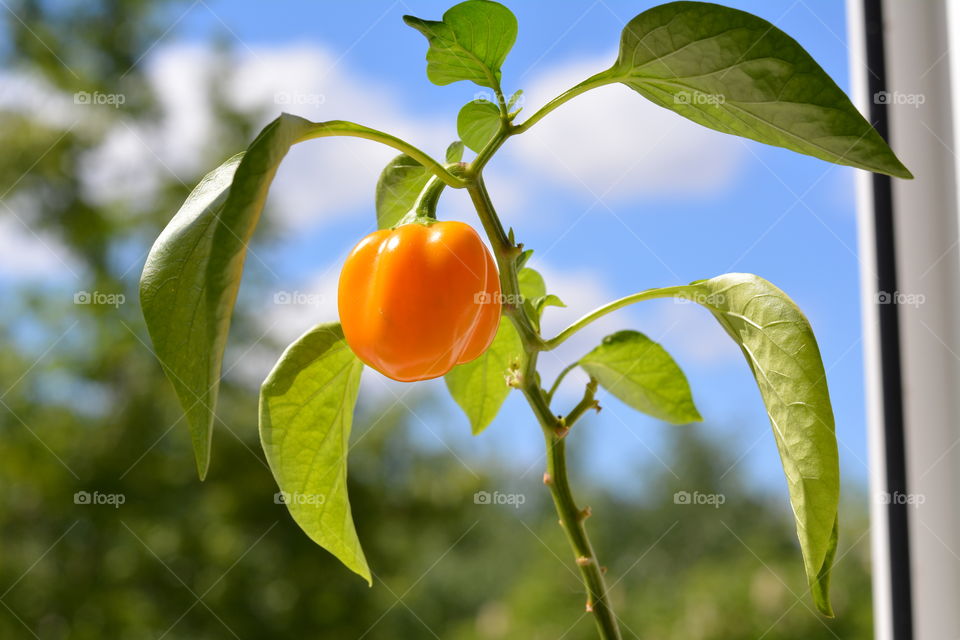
<point>909,231</point>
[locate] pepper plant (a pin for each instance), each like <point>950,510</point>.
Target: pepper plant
<point>722,68</point>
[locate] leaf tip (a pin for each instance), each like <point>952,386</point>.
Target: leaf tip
<point>419,24</point>
<point>359,566</point>
<point>891,166</point>
<point>203,465</point>
<point>820,584</point>
<point>903,172</point>
<point>895,167</point>
<point>821,600</point>
<point>455,151</point>
<point>477,427</point>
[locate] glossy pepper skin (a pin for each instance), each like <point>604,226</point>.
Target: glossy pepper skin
<point>416,300</point>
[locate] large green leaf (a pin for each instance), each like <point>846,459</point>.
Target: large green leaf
<point>642,374</point>
<point>734,72</point>
<point>477,122</point>
<point>470,43</point>
<point>183,321</point>
<point>192,274</point>
<point>306,411</point>
<point>481,385</point>
<point>782,351</point>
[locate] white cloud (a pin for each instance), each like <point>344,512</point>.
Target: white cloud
<point>137,157</point>
<point>294,308</point>
<point>27,254</point>
<point>612,142</point>
<point>325,179</point>
<point>691,334</point>
<point>123,168</point>
<point>181,76</point>
<point>30,94</point>
<point>319,181</point>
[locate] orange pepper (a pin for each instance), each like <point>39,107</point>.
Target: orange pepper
<point>419,299</point>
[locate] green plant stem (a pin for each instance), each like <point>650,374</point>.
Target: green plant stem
<point>554,427</point>
<point>572,521</point>
<point>475,167</point>
<point>506,254</point>
<point>594,81</point>
<point>586,403</point>
<point>353,130</point>
<point>651,294</point>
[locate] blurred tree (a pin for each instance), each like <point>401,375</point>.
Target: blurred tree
<point>85,408</point>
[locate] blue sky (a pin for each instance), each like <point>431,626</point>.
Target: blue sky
<point>786,217</point>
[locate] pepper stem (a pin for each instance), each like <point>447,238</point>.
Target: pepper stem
<point>424,209</point>
<point>425,205</point>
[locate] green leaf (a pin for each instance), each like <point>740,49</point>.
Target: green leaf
<point>470,43</point>
<point>532,285</point>
<point>782,352</point>
<point>477,123</point>
<point>525,255</point>
<point>548,300</point>
<point>734,72</point>
<point>514,99</point>
<point>454,152</point>
<point>401,181</point>
<point>182,325</point>
<point>480,386</point>
<point>533,291</point>
<point>642,374</point>
<point>306,411</point>
<point>192,274</point>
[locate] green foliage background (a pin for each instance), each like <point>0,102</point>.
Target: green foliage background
<point>181,559</point>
